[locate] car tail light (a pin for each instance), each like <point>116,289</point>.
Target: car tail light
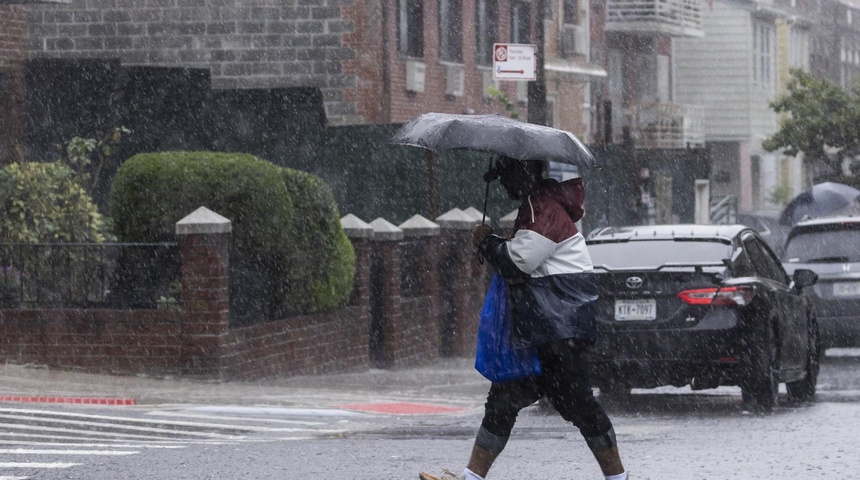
<point>729,296</point>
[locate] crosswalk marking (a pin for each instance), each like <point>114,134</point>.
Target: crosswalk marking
<point>37,465</point>
<point>27,451</point>
<point>91,445</point>
<point>95,433</point>
<point>6,477</point>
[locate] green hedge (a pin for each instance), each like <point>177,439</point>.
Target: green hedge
<point>286,241</point>
<point>322,268</point>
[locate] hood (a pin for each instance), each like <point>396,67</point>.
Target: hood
<point>570,194</point>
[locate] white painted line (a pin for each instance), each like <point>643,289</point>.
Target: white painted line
<point>37,465</point>
<point>3,477</point>
<point>123,421</point>
<point>63,438</point>
<point>304,412</point>
<point>90,445</point>
<point>121,426</point>
<point>97,435</point>
<point>236,418</point>
<point>26,451</point>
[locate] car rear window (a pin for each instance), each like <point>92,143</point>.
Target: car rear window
<point>656,253</point>
<point>832,245</point>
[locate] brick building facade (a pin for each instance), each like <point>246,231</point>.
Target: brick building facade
<point>352,50</point>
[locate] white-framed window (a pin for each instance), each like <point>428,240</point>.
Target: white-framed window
<point>570,13</point>
<point>450,30</point>
<point>410,28</point>
<point>487,29</point>
<point>799,48</point>
<point>763,54</point>
<point>520,22</point>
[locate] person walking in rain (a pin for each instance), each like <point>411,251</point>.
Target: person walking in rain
<point>553,297</point>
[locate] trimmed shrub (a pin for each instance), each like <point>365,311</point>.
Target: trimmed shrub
<point>322,269</point>
<point>42,203</point>
<point>289,255</point>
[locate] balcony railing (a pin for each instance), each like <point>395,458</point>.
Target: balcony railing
<point>677,18</point>
<point>668,125</point>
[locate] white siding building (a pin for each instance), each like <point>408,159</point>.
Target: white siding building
<point>734,72</point>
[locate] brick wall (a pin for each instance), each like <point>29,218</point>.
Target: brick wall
<point>112,341</point>
<point>345,47</point>
<point>424,275</point>
<point>13,44</point>
<point>244,43</point>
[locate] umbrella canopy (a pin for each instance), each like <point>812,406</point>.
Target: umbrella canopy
<point>493,134</point>
<point>822,199</point>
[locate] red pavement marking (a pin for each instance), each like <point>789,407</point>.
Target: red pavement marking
<point>77,400</point>
<point>401,408</point>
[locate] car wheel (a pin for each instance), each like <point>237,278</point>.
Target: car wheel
<point>804,390</point>
<point>760,388</point>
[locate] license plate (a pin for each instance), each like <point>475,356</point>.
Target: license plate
<point>643,309</point>
<point>846,289</point>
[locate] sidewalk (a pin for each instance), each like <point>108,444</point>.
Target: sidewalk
<point>444,385</point>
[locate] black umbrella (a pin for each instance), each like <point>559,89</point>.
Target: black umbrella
<point>822,199</point>
<point>493,134</point>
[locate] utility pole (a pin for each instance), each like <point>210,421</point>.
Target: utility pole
<point>537,88</point>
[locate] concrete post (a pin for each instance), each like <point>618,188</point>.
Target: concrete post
<point>204,248</point>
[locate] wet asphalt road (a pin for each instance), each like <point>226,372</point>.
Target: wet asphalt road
<point>664,434</point>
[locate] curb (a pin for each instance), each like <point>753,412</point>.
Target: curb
<point>73,400</point>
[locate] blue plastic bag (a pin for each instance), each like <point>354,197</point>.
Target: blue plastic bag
<point>496,359</point>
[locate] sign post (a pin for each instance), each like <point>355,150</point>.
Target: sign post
<point>514,61</point>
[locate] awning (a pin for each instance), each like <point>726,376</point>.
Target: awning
<point>574,68</point>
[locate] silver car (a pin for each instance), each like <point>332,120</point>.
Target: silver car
<point>831,248</point>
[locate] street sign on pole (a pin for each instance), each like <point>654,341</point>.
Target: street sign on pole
<point>513,61</point>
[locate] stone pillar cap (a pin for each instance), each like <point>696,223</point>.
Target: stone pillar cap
<point>355,227</point>
<point>478,215</point>
<point>418,226</point>
<point>508,220</point>
<point>203,221</point>
<point>457,219</point>
<point>385,230</point>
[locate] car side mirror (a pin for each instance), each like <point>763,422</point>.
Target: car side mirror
<point>804,278</point>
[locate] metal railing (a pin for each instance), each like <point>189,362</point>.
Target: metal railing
<point>724,211</point>
<point>90,275</point>
<point>668,125</point>
<point>669,17</point>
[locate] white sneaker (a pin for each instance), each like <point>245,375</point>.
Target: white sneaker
<point>446,475</point>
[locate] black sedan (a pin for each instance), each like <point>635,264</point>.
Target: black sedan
<point>704,305</point>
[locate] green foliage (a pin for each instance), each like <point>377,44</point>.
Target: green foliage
<point>153,191</point>
<point>78,152</point>
<point>42,203</point>
<point>821,116</point>
<point>781,195</point>
<point>287,238</point>
<point>322,268</point>
<point>500,97</point>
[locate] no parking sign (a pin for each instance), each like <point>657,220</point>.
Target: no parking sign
<point>513,61</point>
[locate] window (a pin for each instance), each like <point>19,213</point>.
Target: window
<point>410,31</point>
<point>763,261</point>
<point>520,22</point>
<point>571,12</point>
<point>487,30</point>
<point>763,46</point>
<point>799,49</point>
<point>450,31</point>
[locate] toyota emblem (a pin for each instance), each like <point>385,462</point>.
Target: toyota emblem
<point>634,283</point>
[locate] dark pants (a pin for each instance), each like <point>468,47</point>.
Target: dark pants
<point>566,384</point>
